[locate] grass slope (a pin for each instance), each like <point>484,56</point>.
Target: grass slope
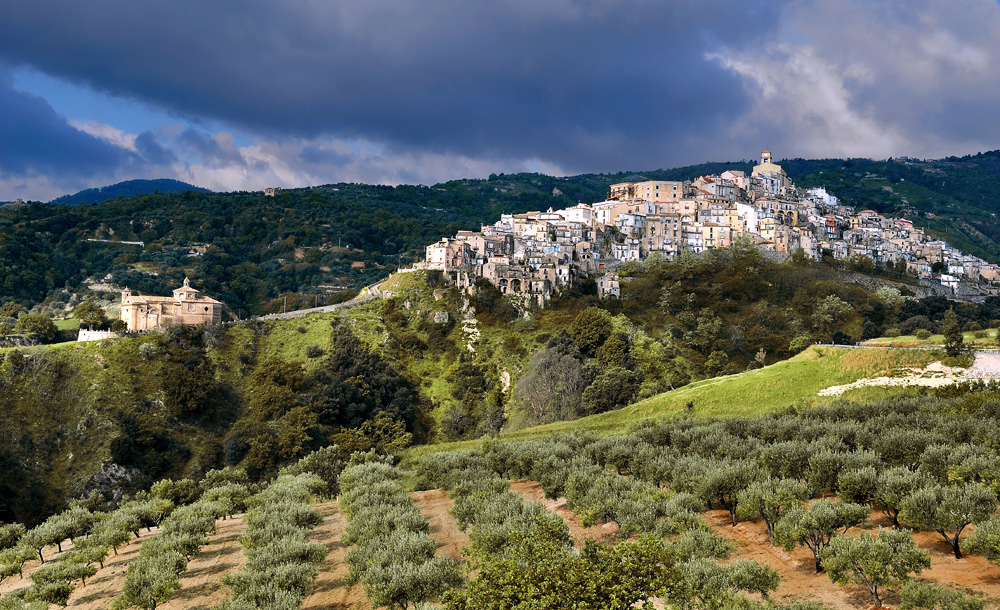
<point>792,382</point>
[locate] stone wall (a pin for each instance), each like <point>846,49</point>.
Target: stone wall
<point>96,335</point>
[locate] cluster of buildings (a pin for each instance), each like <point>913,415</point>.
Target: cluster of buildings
<point>536,253</point>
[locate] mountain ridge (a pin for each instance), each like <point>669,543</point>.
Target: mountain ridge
<point>127,188</point>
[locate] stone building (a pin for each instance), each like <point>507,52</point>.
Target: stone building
<point>187,306</point>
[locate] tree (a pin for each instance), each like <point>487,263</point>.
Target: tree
<point>952,333</point>
<point>38,325</point>
<point>857,485</point>
<point>883,560</point>
<point>948,510</point>
<point>771,499</point>
<point>613,389</point>
<point>590,329</point>
<point>986,539</point>
<point>926,596</point>
<point>324,463</point>
<point>551,385</point>
<point>10,534</point>
<point>10,309</point>
<point>725,481</point>
<point>539,570</point>
<point>708,585</point>
<point>893,487</point>
<point>90,313</point>
<point>816,526</point>
<point>151,581</point>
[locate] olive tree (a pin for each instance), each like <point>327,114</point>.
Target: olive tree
<point>882,560</point>
<point>926,596</point>
<point>893,487</point>
<point>770,499</point>
<point>724,482</point>
<point>949,510</point>
<point>816,526</point>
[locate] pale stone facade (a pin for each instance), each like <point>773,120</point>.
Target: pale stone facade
<point>187,306</point>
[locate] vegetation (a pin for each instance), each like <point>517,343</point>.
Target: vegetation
<point>278,572</point>
<point>393,558</point>
<point>884,559</point>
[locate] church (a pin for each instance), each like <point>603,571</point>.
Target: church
<point>187,306</point>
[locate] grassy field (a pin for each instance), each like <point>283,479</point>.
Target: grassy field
<point>969,338</point>
<point>794,382</point>
<point>67,324</point>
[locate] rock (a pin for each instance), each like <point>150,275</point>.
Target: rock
<point>438,294</point>
<point>440,317</point>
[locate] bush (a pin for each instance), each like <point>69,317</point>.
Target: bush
<point>971,327</point>
<point>892,332</point>
<point>922,333</point>
<point>314,351</point>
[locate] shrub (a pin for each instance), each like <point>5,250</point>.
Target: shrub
<point>892,332</point>
<point>971,327</point>
<point>922,333</point>
<point>314,351</point>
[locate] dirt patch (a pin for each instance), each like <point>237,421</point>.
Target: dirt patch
<point>201,583</point>
<point>330,589</point>
<point>532,491</point>
<point>799,581</point>
<point>434,506</point>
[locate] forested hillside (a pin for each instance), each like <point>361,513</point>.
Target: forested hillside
<point>129,188</point>
<point>429,364</point>
<point>308,244</point>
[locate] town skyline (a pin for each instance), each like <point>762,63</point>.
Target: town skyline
<point>535,254</point>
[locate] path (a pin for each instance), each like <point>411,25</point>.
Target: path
<point>371,289</point>
<point>532,492</point>
<point>330,589</point>
<point>435,505</point>
<point>201,583</point>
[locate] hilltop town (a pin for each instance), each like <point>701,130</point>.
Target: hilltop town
<point>533,255</point>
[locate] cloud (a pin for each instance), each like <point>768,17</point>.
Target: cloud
<point>798,93</point>
<point>873,79</point>
<point>36,140</point>
<point>585,84</point>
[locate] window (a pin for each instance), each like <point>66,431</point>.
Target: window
<point>190,307</point>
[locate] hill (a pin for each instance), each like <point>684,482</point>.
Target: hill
<point>313,245</point>
<point>129,188</point>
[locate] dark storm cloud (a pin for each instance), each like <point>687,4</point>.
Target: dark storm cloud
<point>209,148</point>
<point>595,84</point>
<point>152,151</point>
<point>34,139</point>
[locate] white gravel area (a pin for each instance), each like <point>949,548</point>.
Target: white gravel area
<point>986,366</point>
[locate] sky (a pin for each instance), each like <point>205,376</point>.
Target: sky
<point>245,95</point>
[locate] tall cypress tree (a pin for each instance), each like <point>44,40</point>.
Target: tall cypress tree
<point>952,333</point>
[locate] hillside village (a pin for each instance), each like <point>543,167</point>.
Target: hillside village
<point>533,255</point>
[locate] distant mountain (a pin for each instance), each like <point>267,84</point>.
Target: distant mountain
<point>129,188</point>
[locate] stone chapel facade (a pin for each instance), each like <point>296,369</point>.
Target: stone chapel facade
<point>187,306</point>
